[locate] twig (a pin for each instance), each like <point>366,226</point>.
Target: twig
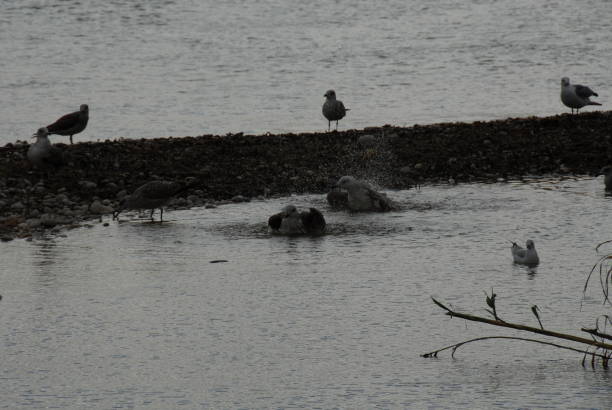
<point>594,332</point>
<point>458,345</point>
<point>573,338</point>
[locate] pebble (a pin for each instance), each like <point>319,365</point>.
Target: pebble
<point>88,184</point>
<point>97,208</point>
<point>367,141</point>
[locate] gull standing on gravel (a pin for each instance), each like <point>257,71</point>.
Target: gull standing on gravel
<point>292,222</point>
<point>42,153</point>
<point>576,96</point>
<point>333,109</point>
<point>523,256</point>
<point>152,195</point>
<point>362,197</point>
<point>607,172</point>
<point>71,124</point>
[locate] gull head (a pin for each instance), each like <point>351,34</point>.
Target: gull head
<point>289,210</point>
<point>345,182</point>
<point>84,108</point>
<point>41,133</point>
<point>530,244</point>
<point>565,82</point>
<point>330,95</point>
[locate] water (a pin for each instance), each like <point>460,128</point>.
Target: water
<point>134,315</point>
<point>188,67</point>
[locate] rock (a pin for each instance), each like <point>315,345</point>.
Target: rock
<point>51,220</point>
<point>121,194</point>
<point>405,170</point>
<point>17,206</point>
<point>240,198</point>
<point>33,222</point>
<point>367,141</point>
<point>98,208</point>
<point>89,185</point>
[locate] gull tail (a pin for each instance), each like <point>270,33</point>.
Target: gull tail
<point>594,103</point>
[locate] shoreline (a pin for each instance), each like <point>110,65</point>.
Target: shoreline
<point>237,167</point>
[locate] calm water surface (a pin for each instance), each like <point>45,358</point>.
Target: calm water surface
<point>188,67</point>
<point>134,315</point>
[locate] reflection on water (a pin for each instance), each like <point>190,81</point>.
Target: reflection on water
<point>133,312</point>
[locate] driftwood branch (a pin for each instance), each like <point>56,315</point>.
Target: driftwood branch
<point>531,329</point>
<point>596,333</point>
<point>456,346</point>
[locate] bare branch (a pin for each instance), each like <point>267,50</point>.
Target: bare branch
<point>531,329</point>
<point>456,346</point>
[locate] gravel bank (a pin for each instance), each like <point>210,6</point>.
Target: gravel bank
<point>239,167</point>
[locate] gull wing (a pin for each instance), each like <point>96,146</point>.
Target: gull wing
<point>584,92</point>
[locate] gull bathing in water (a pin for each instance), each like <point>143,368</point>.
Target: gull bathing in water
<point>42,153</point>
<point>523,256</point>
<point>72,123</point>
<point>333,109</point>
<point>361,196</point>
<point>290,221</point>
<point>576,96</point>
<point>154,194</point>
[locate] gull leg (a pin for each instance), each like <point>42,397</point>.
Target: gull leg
<point>161,215</point>
<point>336,125</point>
<point>328,126</point>
<point>151,216</point>
<point>71,139</point>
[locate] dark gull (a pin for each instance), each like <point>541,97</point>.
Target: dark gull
<point>333,109</point>
<point>290,221</point>
<point>362,197</point>
<point>524,256</point>
<point>71,124</point>
<point>152,195</point>
<point>337,199</point>
<point>576,96</point>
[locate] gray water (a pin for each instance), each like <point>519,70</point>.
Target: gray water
<point>188,67</point>
<point>135,315</point>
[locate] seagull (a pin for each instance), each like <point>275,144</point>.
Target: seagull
<point>361,196</point>
<point>607,171</point>
<point>333,109</point>
<point>290,221</point>
<point>337,199</point>
<point>72,123</point>
<point>153,194</point>
<point>42,153</point>
<point>523,256</point>
<point>576,95</point>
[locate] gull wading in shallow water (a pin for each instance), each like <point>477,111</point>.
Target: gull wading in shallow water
<point>290,221</point>
<point>152,195</point>
<point>523,256</point>
<point>576,96</point>
<point>71,124</point>
<point>42,153</point>
<point>361,196</point>
<point>333,109</point>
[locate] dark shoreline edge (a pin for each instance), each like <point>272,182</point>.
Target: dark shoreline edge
<point>238,167</point>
